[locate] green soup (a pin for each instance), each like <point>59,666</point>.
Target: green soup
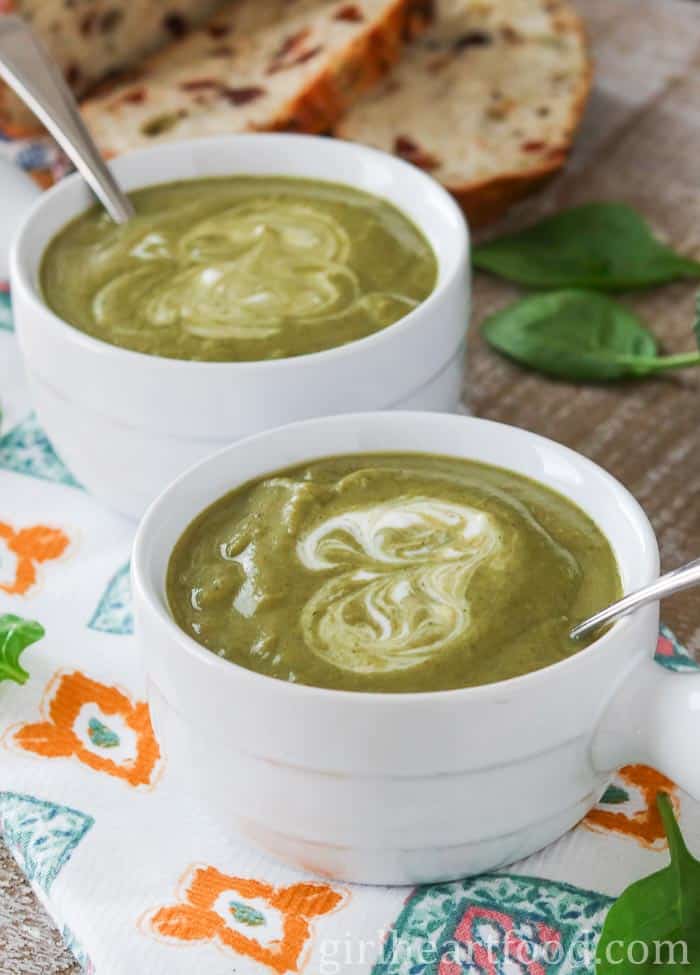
<point>391,572</point>
<point>239,268</point>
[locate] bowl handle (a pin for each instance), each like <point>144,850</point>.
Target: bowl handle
<point>653,719</point>
<point>17,193</point>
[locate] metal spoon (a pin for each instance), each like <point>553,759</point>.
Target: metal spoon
<point>682,578</point>
<point>26,67</point>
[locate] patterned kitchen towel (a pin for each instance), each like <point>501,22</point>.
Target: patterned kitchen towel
<point>40,157</point>
<point>138,878</point>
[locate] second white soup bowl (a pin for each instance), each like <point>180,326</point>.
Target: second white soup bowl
<point>127,423</point>
<point>412,788</point>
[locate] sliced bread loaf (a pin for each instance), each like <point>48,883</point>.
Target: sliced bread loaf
<point>487,100</point>
<point>257,65</point>
<point>89,39</point>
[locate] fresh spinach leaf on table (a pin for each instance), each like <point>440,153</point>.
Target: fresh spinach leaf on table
<point>603,246</point>
<point>16,634</point>
<point>661,911</point>
<point>578,335</point>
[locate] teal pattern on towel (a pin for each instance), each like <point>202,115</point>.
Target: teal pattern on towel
<point>26,449</point>
<point>113,613</point>
<point>41,835</point>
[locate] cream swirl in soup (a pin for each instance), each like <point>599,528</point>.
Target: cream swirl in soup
<point>390,572</point>
<point>239,268</point>
<point>406,597</point>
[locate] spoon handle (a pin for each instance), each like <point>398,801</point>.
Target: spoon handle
<point>26,67</point>
<point>684,577</point>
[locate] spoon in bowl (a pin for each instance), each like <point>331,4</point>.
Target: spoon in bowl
<point>679,579</point>
<point>26,67</point>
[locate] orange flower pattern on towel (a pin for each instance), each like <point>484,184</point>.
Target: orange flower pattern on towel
<point>97,724</point>
<point>631,809</point>
<point>28,547</point>
<point>270,925</point>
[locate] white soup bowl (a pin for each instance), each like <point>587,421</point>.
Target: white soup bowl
<point>127,423</point>
<point>412,788</point>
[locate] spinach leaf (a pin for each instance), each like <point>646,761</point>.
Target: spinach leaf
<point>661,912</point>
<point>578,335</point>
<point>605,246</point>
<point>16,634</point>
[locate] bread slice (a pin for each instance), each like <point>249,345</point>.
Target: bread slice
<point>487,100</point>
<point>257,65</point>
<point>92,38</point>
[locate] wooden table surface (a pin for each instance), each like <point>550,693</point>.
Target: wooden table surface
<point>640,143</point>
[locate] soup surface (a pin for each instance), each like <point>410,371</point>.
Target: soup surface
<point>390,572</point>
<point>239,268</point>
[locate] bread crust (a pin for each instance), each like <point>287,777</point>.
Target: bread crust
<point>369,58</point>
<point>16,121</point>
